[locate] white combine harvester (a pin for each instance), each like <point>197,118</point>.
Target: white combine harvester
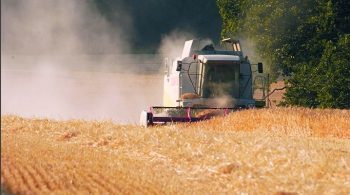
<point>204,82</point>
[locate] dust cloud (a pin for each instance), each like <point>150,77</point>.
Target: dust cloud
<point>63,60</point>
<point>172,44</point>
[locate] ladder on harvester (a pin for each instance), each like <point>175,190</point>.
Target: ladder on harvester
<point>261,89</point>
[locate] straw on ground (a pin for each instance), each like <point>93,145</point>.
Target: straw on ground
<point>284,150</point>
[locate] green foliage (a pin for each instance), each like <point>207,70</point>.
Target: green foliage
<point>333,75</point>
<point>301,90</point>
<point>230,11</point>
<point>307,40</point>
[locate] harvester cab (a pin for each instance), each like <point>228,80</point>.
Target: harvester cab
<point>204,82</point>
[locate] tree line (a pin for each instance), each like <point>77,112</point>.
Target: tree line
<point>307,41</point>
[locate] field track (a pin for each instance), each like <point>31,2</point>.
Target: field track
<point>272,151</point>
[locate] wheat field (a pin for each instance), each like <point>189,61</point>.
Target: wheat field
<point>266,151</point>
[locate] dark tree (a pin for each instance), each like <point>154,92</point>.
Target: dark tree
<point>306,40</point>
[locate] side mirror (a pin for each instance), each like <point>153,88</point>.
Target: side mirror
<point>260,67</point>
<point>179,66</point>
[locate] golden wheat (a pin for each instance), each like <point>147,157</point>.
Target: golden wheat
<point>281,151</point>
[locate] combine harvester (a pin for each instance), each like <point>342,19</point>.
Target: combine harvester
<point>203,83</point>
